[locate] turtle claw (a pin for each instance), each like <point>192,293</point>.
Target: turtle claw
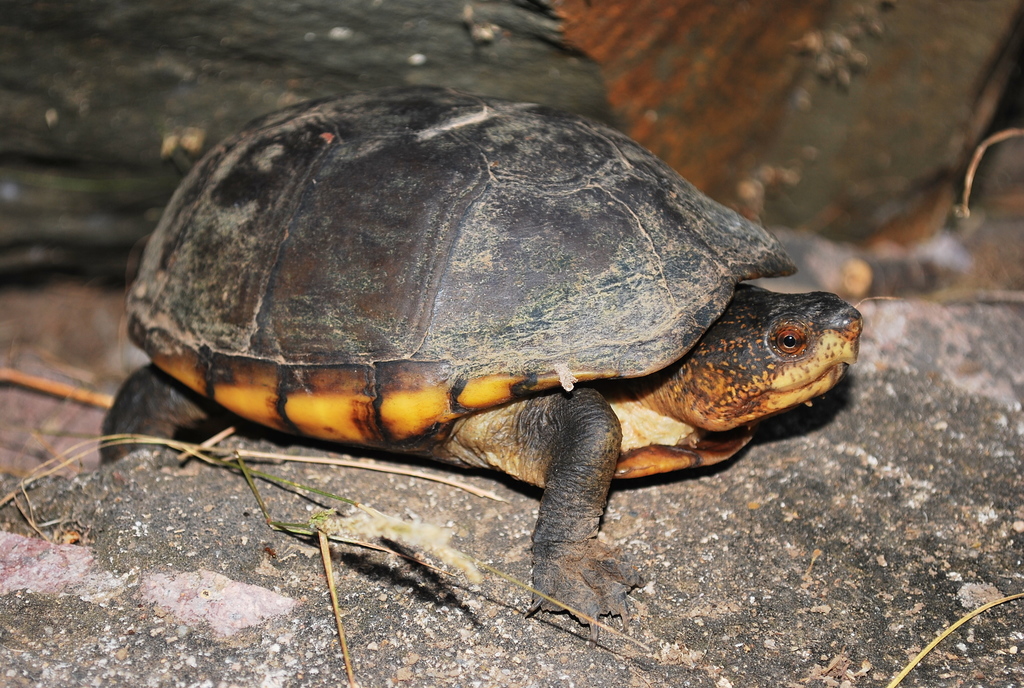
<point>589,577</point>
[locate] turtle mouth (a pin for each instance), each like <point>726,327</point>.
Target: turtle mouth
<point>831,377</point>
<point>835,373</point>
<point>780,399</point>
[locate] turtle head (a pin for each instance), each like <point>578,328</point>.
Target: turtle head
<point>766,354</point>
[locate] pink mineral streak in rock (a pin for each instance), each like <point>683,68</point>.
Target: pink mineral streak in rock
<point>225,604</point>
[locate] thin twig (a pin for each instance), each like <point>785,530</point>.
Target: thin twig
<point>380,468</point>
<point>56,464</point>
<point>57,389</point>
<point>252,487</point>
<point>306,529</point>
<point>931,646</point>
<point>963,210</point>
<point>363,464</point>
<point>210,442</point>
<point>325,554</point>
<point>30,519</point>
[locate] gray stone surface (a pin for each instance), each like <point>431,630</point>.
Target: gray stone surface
<point>94,95</point>
<point>827,554</point>
<point>106,81</point>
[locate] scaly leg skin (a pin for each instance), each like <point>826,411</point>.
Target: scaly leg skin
<point>579,438</point>
<point>150,402</point>
<point>568,444</point>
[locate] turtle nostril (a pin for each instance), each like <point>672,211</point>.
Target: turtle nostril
<point>848,320</point>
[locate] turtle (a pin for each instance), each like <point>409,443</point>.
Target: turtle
<point>484,282</point>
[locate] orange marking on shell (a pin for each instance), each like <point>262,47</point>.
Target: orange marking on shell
<point>485,392</point>
<point>408,413</point>
<point>333,404</point>
<point>251,392</point>
<point>339,417</point>
<point>255,403</point>
<point>327,136</point>
<point>184,368</point>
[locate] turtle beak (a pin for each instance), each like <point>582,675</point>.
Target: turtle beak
<point>847,327</point>
<point>849,330</point>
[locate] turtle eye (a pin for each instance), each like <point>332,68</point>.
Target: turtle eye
<point>790,339</point>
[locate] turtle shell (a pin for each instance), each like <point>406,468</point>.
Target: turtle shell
<point>369,267</point>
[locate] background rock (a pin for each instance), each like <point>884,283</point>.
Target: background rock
<point>849,118</point>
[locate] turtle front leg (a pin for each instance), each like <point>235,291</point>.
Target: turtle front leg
<point>580,440</point>
<point>151,402</point>
<point>568,444</point>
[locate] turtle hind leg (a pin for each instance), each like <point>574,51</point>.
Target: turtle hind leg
<point>151,402</point>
